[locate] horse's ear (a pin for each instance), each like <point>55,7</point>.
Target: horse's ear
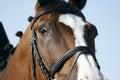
<point>43,2</point>
<point>39,4</point>
<point>78,3</point>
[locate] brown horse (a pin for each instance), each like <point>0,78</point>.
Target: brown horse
<point>58,44</point>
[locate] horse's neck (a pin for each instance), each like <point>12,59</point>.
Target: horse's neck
<point>19,66</point>
<point>25,55</point>
<point>22,53</point>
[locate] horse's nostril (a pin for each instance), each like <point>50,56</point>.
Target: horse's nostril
<point>86,27</point>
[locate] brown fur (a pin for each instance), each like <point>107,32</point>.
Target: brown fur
<point>52,46</point>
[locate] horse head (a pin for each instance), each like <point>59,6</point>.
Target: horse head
<point>59,28</point>
<point>61,42</point>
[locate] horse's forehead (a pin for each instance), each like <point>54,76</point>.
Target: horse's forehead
<point>72,20</point>
<point>77,24</point>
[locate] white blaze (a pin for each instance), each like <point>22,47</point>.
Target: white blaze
<point>87,69</point>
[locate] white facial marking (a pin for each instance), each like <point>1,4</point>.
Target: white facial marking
<point>87,69</point>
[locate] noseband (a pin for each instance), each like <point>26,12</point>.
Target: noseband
<point>60,63</point>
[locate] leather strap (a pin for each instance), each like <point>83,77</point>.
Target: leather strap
<point>60,63</point>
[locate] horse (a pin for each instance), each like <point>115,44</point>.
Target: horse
<point>58,44</point>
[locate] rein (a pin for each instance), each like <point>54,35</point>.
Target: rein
<point>60,63</point>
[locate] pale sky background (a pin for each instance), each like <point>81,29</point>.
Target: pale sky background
<point>105,14</point>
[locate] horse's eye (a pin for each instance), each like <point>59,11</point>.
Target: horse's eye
<point>43,30</point>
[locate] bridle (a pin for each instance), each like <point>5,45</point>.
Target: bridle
<point>60,62</point>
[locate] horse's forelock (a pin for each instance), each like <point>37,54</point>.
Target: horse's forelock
<point>46,4</point>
